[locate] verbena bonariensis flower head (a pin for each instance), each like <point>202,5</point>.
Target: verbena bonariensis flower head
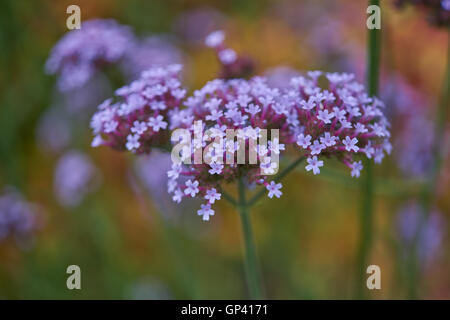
<point>232,64</point>
<point>247,107</point>
<point>18,218</point>
<point>438,11</point>
<point>75,177</point>
<point>136,119</point>
<point>338,120</point>
<point>80,53</point>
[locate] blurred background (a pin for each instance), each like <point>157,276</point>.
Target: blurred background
<point>63,202</point>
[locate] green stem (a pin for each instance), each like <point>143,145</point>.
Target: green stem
<point>366,230</point>
<point>252,270</point>
<point>429,188</point>
<point>229,198</point>
<point>251,262</point>
<point>438,144</point>
<point>366,213</point>
<point>277,178</point>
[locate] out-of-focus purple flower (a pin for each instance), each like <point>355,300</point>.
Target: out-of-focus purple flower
<point>232,64</point>
<point>69,110</point>
<point>409,111</point>
<point>151,170</point>
<point>326,36</point>
<point>18,218</point>
<point>154,51</point>
<point>430,233</point>
<point>438,11</point>
<point>80,102</point>
<point>80,53</point>
<point>321,27</point>
<point>194,25</point>
<point>280,77</point>
<point>75,176</point>
<point>414,147</point>
<point>445,4</point>
<point>301,15</point>
<point>138,120</point>
<point>53,131</point>
<point>404,98</point>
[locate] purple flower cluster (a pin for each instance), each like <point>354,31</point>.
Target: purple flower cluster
<point>18,218</point>
<point>80,53</point>
<point>233,65</point>
<point>245,106</point>
<point>340,120</point>
<point>138,119</point>
<point>430,235</point>
<point>336,120</point>
<point>75,176</point>
<point>438,11</point>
